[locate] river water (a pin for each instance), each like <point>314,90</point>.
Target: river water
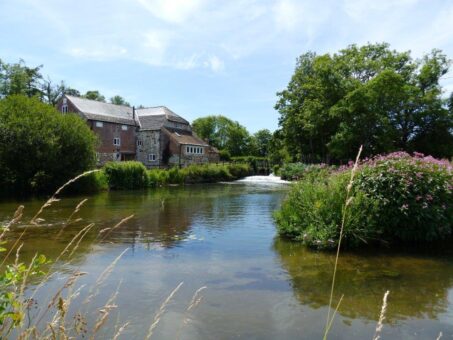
<point>223,237</point>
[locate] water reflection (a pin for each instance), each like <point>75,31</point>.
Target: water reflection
<point>419,286</point>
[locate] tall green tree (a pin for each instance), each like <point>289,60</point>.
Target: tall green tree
<point>94,95</point>
<point>40,148</point>
<point>262,139</point>
<point>19,79</point>
<point>118,100</point>
<point>369,95</point>
<point>223,133</point>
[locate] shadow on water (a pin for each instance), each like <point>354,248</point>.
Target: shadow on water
<point>419,285</point>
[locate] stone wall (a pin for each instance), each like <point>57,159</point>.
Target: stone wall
<point>150,144</point>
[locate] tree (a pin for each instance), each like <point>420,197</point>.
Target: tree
<point>371,96</point>
<point>40,148</point>
<point>94,95</point>
<point>223,133</point>
<point>51,93</point>
<point>118,100</point>
<point>19,79</point>
<point>262,140</point>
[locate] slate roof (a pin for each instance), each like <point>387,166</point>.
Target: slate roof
<point>153,118</point>
<point>104,112</point>
<point>154,122</point>
<point>185,137</point>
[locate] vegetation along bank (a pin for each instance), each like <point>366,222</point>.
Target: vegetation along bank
<point>396,199</point>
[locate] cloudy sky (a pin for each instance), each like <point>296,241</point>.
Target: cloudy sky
<point>201,57</point>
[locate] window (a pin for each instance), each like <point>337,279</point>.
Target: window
<point>201,150</point>
<point>99,124</point>
<point>139,142</point>
<point>64,108</point>
<point>151,157</point>
<point>124,127</point>
<point>116,141</point>
<point>187,149</point>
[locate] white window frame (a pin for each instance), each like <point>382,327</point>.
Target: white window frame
<point>117,141</point>
<point>187,149</point>
<point>124,127</point>
<point>99,124</point>
<point>139,142</point>
<point>152,157</point>
<point>64,108</point>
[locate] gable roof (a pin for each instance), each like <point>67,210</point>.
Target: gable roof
<point>153,118</point>
<point>104,112</point>
<point>184,137</point>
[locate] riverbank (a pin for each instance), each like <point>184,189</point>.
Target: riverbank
<point>134,175</point>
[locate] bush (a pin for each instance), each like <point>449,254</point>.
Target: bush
<point>126,175</point>
<point>396,199</point>
<point>415,196</point>
<point>207,173</point>
<point>157,177</point>
<point>89,184</point>
<point>312,213</point>
<point>224,155</point>
<point>40,148</point>
<point>240,170</point>
<point>297,171</point>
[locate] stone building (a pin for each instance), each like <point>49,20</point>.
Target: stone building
<point>155,136</point>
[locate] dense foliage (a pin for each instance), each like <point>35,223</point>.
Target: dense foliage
<point>126,175</point>
<point>134,175</point>
<point>232,138</point>
<point>371,96</point>
<point>40,148</point>
<point>298,171</point>
<point>396,199</point>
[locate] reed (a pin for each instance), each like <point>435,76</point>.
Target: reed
<point>343,222</point>
<point>160,312</point>
<point>380,324</point>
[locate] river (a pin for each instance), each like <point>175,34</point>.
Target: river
<point>221,238</point>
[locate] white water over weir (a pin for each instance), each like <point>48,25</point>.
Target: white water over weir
<point>271,179</point>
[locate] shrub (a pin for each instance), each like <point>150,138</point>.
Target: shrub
<point>207,173</point>
<point>157,177</point>
<point>396,199</point>
<point>224,155</point>
<point>40,148</point>
<point>297,171</point>
<point>89,184</point>
<point>415,196</point>
<point>313,210</point>
<point>126,175</point>
<point>176,176</point>
<point>240,170</point>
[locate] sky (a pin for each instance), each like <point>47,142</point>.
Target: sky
<point>204,57</point>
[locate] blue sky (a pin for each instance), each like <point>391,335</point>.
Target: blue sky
<point>201,57</point>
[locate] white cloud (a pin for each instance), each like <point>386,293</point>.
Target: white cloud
<point>287,14</point>
<point>174,11</point>
<point>215,64</point>
<point>99,53</point>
